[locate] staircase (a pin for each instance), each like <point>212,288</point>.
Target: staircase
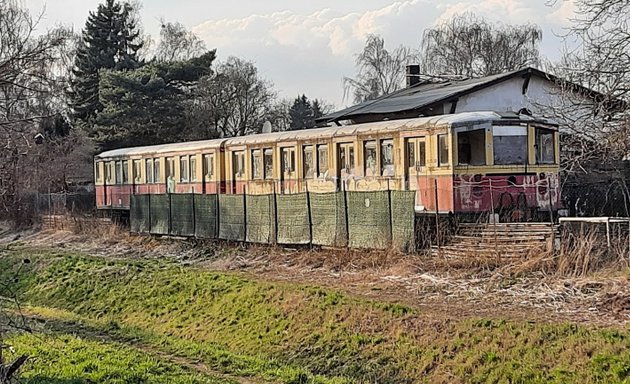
<point>503,240</point>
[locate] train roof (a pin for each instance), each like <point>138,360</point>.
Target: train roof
<point>338,131</point>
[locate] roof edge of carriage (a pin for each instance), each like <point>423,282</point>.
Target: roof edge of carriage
<point>345,130</point>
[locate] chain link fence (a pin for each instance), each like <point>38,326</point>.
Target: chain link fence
<point>63,203</point>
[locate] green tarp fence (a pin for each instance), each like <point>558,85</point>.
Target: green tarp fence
<point>206,216</point>
<point>232,217</point>
<point>160,214</point>
<point>403,218</point>
<point>182,214</point>
<point>139,214</point>
<point>293,219</point>
<point>260,219</point>
<point>328,219</point>
<point>369,222</point>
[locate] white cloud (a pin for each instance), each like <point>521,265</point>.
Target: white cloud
<point>311,52</point>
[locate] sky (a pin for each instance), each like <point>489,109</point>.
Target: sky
<point>307,47</point>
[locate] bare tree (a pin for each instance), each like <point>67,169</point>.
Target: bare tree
<point>177,43</point>
<point>379,71</point>
<point>235,100</point>
<point>469,46</point>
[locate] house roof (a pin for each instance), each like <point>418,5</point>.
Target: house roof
<point>425,95</point>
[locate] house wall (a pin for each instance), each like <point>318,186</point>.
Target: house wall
<point>508,96</point>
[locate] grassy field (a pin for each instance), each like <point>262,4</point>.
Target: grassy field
<point>293,333</point>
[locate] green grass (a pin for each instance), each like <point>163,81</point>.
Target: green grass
<point>294,333</point>
<point>66,359</point>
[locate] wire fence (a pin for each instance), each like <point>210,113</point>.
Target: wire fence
<point>62,203</point>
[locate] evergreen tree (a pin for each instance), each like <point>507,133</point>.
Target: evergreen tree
<point>303,113</point>
<point>110,41</point>
<point>148,105</point>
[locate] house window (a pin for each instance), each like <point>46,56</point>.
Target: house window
<point>545,146</point>
<point>443,150</point>
<point>309,161</point>
<point>322,160</point>
<point>510,145</point>
<point>471,147</point>
<point>268,162</point>
<point>137,171</point>
<point>387,158</point>
<point>149,170</point>
<point>183,169</point>
<point>369,158</point>
<point>257,164</point>
<point>125,172</point>
<point>208,166</point>
<point>156,171</point>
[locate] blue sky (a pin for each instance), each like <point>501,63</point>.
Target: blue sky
<point>309,46</point>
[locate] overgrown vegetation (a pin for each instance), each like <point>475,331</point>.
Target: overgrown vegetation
<point>295,333</point>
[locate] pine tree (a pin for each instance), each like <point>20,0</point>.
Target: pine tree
<point>304,112</point>
<point>110,41</point>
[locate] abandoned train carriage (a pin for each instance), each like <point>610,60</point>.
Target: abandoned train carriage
<point>461,163</point>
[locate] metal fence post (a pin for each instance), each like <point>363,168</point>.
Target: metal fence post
<point>310,215</point>
<point>194,214</point>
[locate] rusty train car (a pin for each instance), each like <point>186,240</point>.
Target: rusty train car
<point>463,164</point>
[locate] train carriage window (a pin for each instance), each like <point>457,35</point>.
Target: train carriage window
<point>510,145</point>
<point>268,162</point>
<point>238,164</point>
<point>193,168</point>
<point>183,169</point>
<point>149,170</point>
<point>387,158</point>
<point>137,172</point>
<point>421,160</point>
<point>309,161</point>
<point>170,167</point>
<point>443,150</point>
<point>109,174</point>
<point>125,172</point>
<point>156,171</point>
<point>97,171</point>
<point>346,158</point>
<point>411,154</point>
<point>119,172</point>
<point>322,160</point>
<point>545,146</point>
<point>471,147</point>
<point>257,164</point>
<point>208,166</point>
<point>369,158</point>
<point>288,158</point>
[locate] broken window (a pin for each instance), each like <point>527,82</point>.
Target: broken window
<point>149,170</point>
<point>545,146</point>
<point>322,160</point>
<point>387,158</point>
<point>369,158</point>
<point>443,150</point>
<point>268,160</point>
<point>257,164</point>
<point>308,161</point>
<point>471,147</point>
<point>208,166</point>
<point>510,145</point>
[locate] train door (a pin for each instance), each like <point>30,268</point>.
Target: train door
<point>345,163</point>
<point>238,171</point>
<point>288,175</point>
<point>415,160</point>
